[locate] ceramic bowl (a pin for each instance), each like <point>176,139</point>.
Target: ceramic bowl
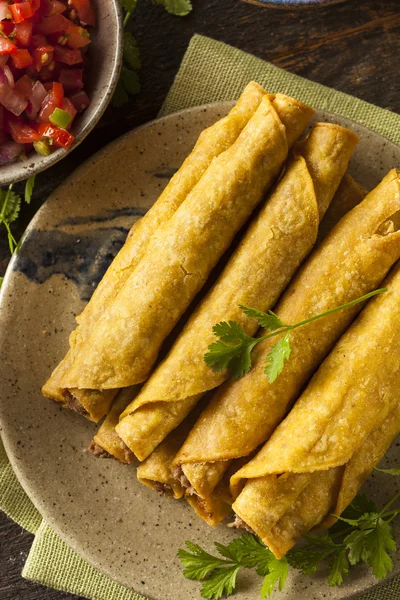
<point>106,53</point>
<point>293,3</point>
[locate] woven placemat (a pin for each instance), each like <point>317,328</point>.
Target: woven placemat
<point>210,72</point>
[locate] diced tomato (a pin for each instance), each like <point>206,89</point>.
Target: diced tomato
<point>85,11</point>
<point>77,37</point>
<point>48,85</point>
<point>71,79</point>
<point>42,56</point>
<point>54,23</point>
<point>7,27</point>
<point>35,4</point>
<point>23,33</point>
<point>49,104</point>
<point>6,46</point>
<point>80,100</point>
<point>58,93</point>
<point>38,40</point>
<point>21,132</point>
<point>68,56</point>
<point>21,58</point>
<point>49,73</point>
<point>69,108</point>
<point>57,7</point>
<point>21,11</point>
<point>24,85</point>
<point>61,137</point>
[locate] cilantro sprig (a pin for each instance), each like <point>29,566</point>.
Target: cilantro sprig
<point>128,83</point>
<point>10,206</point>
<point>220,573</point>
<point>362,535</point>
<point>234,347</point>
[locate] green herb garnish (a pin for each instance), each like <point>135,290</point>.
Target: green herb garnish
<point>233,348</point>
<point>128,83</point>
<point>362,535</point>
<point>10,206</point>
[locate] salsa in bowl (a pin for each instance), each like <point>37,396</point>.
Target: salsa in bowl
<point>50,96</point>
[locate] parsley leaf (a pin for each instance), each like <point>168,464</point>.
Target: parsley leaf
<point>339,568</point>
<point>131,52</point>
<point>222,353</point>
<point>221,583</point>
<point>276,358</point>
<point>29,185</point>
<point>268,320</point>
<point>278,572</point>
<point>10,205</point>
<point>371,544</point>
<point>180,8</point>
<point>367,537</point>
<point>130,81</point>
<point>198,563</point>
<point>230,332</point>
<point>393,471</point>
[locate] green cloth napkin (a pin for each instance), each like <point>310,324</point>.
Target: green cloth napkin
<point>210,72</point>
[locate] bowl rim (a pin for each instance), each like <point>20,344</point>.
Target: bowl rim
<point>24,170</point>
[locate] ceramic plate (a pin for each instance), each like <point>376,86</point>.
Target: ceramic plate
<point>97,506</point>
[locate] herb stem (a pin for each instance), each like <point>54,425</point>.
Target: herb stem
<point>289,328</point>
<point>4,207</point>
<point>127,17</point>
<point>384,509</point>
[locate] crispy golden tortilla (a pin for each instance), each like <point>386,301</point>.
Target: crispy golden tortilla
<point>352,261</point>
<point>274,246</point>
<point>317,459</point>
<point>212,141</point>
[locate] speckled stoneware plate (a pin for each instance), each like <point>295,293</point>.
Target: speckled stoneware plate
<point>97,506</point>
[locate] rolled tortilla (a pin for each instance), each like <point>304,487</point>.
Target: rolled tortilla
<point>352,261</point>
<point>276,243</point>
<point>348,415</point>
<point>212,141</point>
<point>355,388</point>
<point>124,343</point>
<point>106,443</point>
<point>156,472</point>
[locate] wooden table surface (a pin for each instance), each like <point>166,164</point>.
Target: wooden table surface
<point>353,47</point>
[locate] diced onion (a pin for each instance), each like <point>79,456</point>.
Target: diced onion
<point>9,151</point>
<point>4,11</point>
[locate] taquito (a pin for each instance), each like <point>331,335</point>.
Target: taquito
<point>212,141</point>
<point>281,509</point>
<point>156,472</point>
<point>336,433</point>
<point>353,260</point>
<point>275,244</point>
<point>124,343</point>
<point>106,442</point>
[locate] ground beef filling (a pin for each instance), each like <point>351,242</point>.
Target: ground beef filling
<point>72,403</point>
<point>238,523</point>
<point>98,451</point>
<point>179,475</point>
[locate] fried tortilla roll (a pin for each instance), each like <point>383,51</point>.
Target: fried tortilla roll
<point>352,261</point>
<point>212,141</point>
<point>156,472</point>
<point>106,443</point>
<point>281,509</point>
<point>272,249</point>
<point>336,433</point>
<point>123,345</point>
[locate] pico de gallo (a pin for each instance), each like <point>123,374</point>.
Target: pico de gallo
<point>43,62</point>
